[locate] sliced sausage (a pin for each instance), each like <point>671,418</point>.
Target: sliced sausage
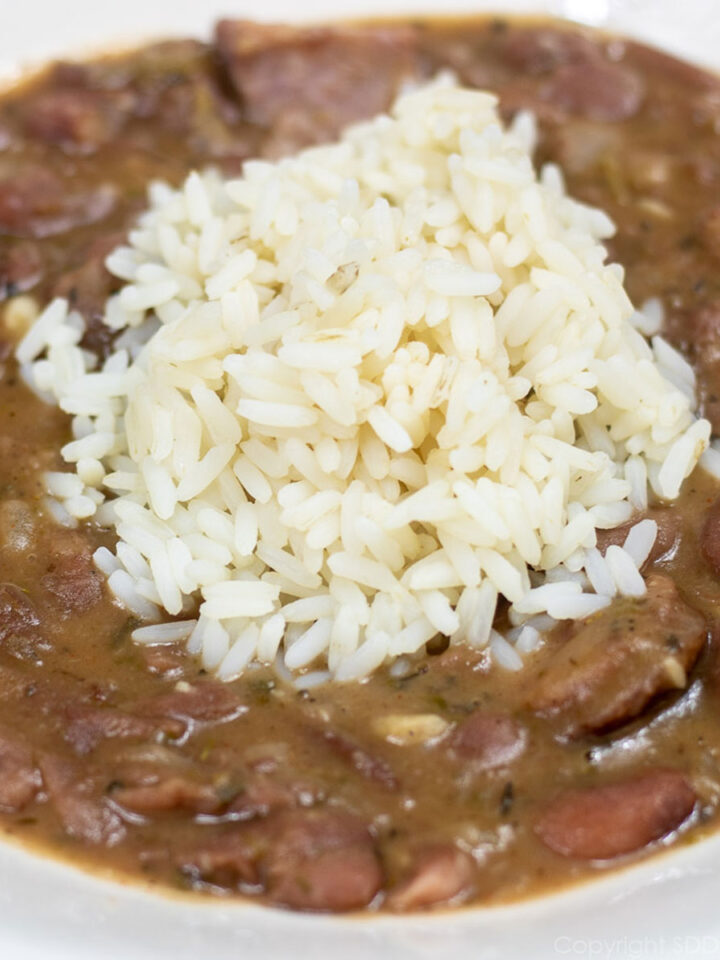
<point>199,703</point>
<point>88,726</point>
<point>320,860</point>
<point>440,874</point>
<point>616,662</point>
<point>309,83</point>
<point>599,823</point>
<point>79,804</point>
<point>488,740</point>
<point>19,776</point>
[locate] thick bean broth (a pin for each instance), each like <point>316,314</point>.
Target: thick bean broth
<point>450,781</point>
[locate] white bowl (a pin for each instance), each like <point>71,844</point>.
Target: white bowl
<point>666,907</point>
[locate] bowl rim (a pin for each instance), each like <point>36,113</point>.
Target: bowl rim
<point>673,891</point>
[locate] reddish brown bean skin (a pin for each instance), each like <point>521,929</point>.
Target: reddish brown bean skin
<point>320,860</point>
<point>601,823</point>
<point>666,541</point>
<point>489,740</point>
<point>77,120</point>
<point>88,726</point>
<point>171,794</point>
<point>81,808</point>
<point>599,90</point>
<point>227,861</point>
<point>19,777</point>
<point>439,874</point>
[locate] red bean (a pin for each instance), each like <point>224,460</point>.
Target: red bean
<point>439,874</point>
<point>78,801</point>
<point>598,90</point>
<point>166,793</point>
<point>599,823</point>
<point>19,777</point>
<point>320,860</point>
<point>489,740</point>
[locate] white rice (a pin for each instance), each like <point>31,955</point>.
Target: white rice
<point>359,393</point>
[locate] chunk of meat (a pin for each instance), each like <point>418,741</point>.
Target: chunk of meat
<point>200,703</point>
<point>488,740</point>
<point>309,83</point>
<point>598,89</point>
<point>614,664</point>
<point>17,614</point>
<point>163,793</point>
<point>17,526</point>
<point>19,776</point>
<point>75,119</point>
<point>88,726</point>
<point>599,823</point>
<point>440,874</point>
<point>21,268</point>
<point>320,859</point>
<point>35,203</point>
<point>710,537</point>
<point>79,804</point>
<point>20,630</point>
<point>74,581</point>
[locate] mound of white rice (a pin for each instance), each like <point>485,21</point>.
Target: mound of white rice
<point>382,382</point>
